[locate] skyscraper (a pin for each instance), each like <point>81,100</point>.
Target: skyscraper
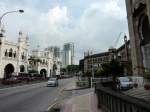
<point>68,54</point>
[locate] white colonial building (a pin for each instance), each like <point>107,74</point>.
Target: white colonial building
<point>13,56</point>
<point>45,62</point>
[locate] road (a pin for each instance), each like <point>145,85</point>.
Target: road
<point>30,98</point>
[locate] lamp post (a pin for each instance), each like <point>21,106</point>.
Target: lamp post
<point>126,48</point>
<point>1,17</point>
<point>127,58</point>
<point>93,70</point>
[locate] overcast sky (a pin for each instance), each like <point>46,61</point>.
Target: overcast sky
<point>90,24</point>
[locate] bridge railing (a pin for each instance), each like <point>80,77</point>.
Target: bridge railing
<point>94,80</point>
<point>113,101</point>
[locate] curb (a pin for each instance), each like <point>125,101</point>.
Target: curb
<point>75,89</point>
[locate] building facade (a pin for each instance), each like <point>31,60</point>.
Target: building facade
<point>138,15</point>
<point>13,56</point>
<point>122,54</point>
<point>46,62</point>
<point>96,60</point>
<point>68,55</point>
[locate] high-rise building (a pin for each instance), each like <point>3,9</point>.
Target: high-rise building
<point>68,55</point>
<point>56,50</point>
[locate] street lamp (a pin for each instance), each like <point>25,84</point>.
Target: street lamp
<point>125,38</point>
<point>93,70</point>
<point>126,50</point>
<point>1,17</point>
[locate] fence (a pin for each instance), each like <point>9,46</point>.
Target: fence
<point>113,101</point>
<point>100,80</point>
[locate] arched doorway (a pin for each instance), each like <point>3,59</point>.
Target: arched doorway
<point>144,33</point>
<point>43,72</point>
<point>22,68</point>
<point>9,69</point>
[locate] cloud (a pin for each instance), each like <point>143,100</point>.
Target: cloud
<point>90,24</point>
<point>100,25</point>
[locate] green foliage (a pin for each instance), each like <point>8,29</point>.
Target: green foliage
<point>32,71</point>
<point>87,74</point>
<point>99,72</point>
<point>62,69</point>
<point>116,68</point>
<point>54,67</point>
<point>33,59</point>
<point>113,68</point>
<point>73,68</point>
<point>147,75</point>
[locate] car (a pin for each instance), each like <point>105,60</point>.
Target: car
<point>52,82</point>
<point>124,83</point>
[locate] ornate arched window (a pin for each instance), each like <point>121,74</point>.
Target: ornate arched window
<point>22,55</point>
<point>15,54</point>
<point>6,53</point>
<point>43,61</point>
<point>10,52</point>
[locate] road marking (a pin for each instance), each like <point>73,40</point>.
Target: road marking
<point>52,104</point>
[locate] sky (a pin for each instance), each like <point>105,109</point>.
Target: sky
<point>90,24</point>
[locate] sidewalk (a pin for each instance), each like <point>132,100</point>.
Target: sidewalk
<point>82,103</point>
<point>72,86</point>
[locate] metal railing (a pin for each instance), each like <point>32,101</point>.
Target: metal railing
<point>113,101</point>
<point>100,80</point>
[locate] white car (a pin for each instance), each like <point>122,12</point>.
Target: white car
<point>52,82</point>
<point>124,83</point>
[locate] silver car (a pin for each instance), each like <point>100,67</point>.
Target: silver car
<point>52,82</point>
<point>124,83</point>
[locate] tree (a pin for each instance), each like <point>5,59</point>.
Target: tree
<point>33,60</point>
<point>99,72</point>
<point>32,71</point>
<point>114,68</point>
<point>73,68</point>
<point>54,67</point>
<point>87,74</point>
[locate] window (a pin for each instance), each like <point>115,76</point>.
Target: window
<point>22,56</point>
<point>10,52</point>
<point>15,54</point>
<point>6,53</point>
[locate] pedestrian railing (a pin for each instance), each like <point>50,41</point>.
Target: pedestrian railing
<point>113,101</point>
<point>100,80</point>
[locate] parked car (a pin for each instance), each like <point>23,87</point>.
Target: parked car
<point>12,80</point>
<point>24,77</point>
<point>124,83</point>
<point>52,82</point>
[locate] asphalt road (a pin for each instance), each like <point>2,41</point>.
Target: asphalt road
<point>30,98</point>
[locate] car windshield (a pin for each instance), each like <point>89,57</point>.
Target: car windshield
<point>52,79</point>
<point>124,79</point>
